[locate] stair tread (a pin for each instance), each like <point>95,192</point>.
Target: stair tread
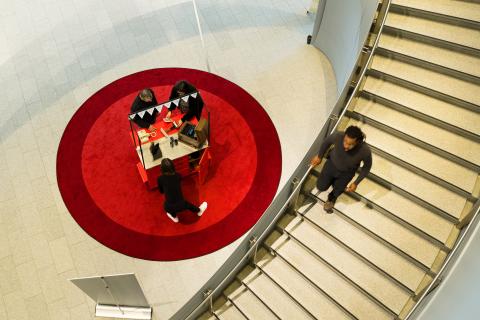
<point>425,220</point>
<point>333,284</point>
<point>309,296</point>
<point>389,230</point>
<point>272,295</point>
<point>452,33</point>
<point>427,52</point>
<point>427,190</point>
<point>460,9</point>
<point>456,174</point>
<point>248,303</point>
<point>438,137</point>
<point>389,261</point>
<point>376,284</point>
<point>228,311</point>
<point>454,87</point>
<point>457,116</point>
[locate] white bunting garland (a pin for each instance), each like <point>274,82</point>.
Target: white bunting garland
<point>194,95</point>
<point>176,102</point>
<point>159,107</point>
<point>141,113</point>
<point>185,98</point>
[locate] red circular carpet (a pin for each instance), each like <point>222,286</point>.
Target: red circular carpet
<point>102,189</point>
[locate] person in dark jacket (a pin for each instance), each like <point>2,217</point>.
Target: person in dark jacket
<point>349,150</point>
<point>190,109</point>
<point>169,184</point>
<point>144,100</point>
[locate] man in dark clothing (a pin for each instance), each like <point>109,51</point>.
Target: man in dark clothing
<point>144,100</point>
<point>349,150</point>
<point>169,183</point>
<point>192,108</point>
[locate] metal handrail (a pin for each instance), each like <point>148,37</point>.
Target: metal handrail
<point>248,254</point>
<point>466,233</point>
<point>365,67</point>
<point>253,248</point>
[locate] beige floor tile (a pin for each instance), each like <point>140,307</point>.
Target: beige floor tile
<point>37,308</point>
<point>80,312</point>
<point>58,310</point>
<point>50,283</point>
<point>61,255</point>
<point>42,255</point>
<point>15,306</point>
<point>9,280</point>
<point>29,283</point>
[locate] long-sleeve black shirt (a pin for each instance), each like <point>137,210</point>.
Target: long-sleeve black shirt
<point>348,161</point>
<point>194,106</point>
<point>139,105</point>
<point>170,185</point>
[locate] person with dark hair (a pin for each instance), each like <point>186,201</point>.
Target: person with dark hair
<point>144,100</point>
<point>169,184</point>
<point>349,150</point>
<point>192,108</point>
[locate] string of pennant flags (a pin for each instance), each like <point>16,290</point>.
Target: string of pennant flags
<point>161,106</point>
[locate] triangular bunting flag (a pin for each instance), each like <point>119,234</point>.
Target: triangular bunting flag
<point>141,113</point>
<point>159,108</point>
<point>167,104</point>
<point>185,98</point>
<point>131,116</point>
<point>194,95</point>
<point>176,102</point>
<point>150,111</point>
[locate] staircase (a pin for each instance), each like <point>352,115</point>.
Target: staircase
<point>419,107</point>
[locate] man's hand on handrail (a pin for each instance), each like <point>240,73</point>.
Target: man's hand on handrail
<point>315,161</point>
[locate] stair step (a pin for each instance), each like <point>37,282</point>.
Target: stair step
<point>329,281</point>
<point>224,309</point>
<point>376,252</point>
<point>435,108</point>
<point>312,299</point>
<point>281,304</point>
<point>376,284</point>
<point>433,54</point>
<point>436,165</point>
<point>454,87</point>
<point>402,238</point>
<point>460,9</point>
<point>248,303</point>
<point>438,137</point>
<point>407,210</point>
<point>422,188</point>
<point>452,33</point>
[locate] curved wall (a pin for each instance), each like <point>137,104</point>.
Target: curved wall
<point>341,28</point>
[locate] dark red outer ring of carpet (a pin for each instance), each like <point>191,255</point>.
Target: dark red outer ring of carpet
<point>139,245</point>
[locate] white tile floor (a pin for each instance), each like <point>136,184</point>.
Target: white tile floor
<point>55,54</point>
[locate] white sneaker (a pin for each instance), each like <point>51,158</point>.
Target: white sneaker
<point>202,207</point>
<point>174,219</point>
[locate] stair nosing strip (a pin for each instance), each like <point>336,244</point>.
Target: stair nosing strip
<point>357,254</point>
<point>329,297</point>
<point>342,275</point>
<point>424,174</point>
<point>456,74</point>
<point>256,296</point>
<point>435,16</point>
<point>235,305</point>
<point>255,265</point>
<point>422,144</point>
<point>420,115</point>
<point>388,29</point>
<point>383,241</point>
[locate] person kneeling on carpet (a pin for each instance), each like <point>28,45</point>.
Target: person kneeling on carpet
<point>169,183</point>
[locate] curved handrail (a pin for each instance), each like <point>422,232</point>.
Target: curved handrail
<point>466,233</point>
<point>248,254</point>
<point>252,248</point>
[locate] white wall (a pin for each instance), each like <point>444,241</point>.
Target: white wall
<point>341,28</point>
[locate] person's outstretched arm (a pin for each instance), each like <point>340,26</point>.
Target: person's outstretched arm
<point>323,148</point>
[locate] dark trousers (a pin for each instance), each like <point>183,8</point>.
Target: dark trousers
<point>331,176</point>
<point>173,209</point>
